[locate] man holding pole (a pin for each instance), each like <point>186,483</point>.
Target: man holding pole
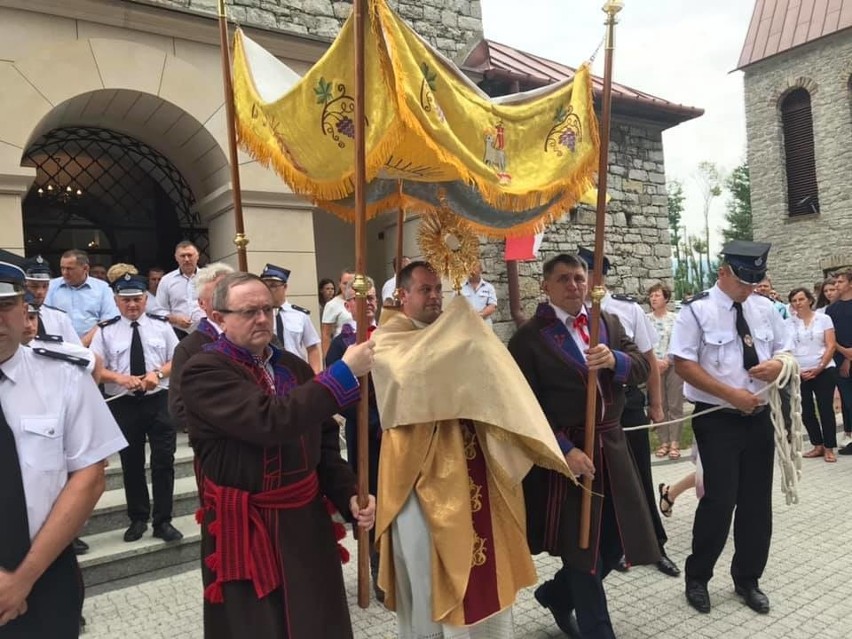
<point>553,353</point>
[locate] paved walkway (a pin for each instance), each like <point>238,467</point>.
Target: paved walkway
<point>808,579</point>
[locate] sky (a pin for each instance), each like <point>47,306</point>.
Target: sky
<point>679,50</point>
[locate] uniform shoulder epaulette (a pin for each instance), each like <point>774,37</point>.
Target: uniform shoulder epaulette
<point>106,323</point>
<point>697,296</point>
<point>621,297</point>
<point>53,308</point>
<point>155,316</point>
<point>299,308</point>
<point>64,357</point>
<point>53,339</point>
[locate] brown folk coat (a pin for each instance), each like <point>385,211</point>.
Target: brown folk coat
<point>556,371</point>
<point>248,439</point>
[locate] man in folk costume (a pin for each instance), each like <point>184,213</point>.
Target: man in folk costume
<point>552,351</point>
<point>451,533</point>
<point>269,468</point>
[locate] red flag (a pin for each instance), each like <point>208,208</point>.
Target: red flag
<point>523,248</point>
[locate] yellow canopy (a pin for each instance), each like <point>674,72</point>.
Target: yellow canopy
<point>509,165</point>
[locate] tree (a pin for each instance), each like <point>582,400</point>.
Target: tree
<point>710,182</point>
<point>738,218</point>
<point>675,206</point>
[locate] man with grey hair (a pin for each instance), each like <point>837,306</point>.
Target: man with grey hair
<point>85,299</point>
<point>207,331</point>
<point>268,462</point>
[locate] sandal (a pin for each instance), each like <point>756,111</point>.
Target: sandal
<point>666,504</point>
<point>830,457</point>
<point>662,451</point>
<point>816,451</point>
<point>674,452</point>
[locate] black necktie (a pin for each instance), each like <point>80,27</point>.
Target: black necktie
<point>749,352</point>
<point>137,355</point>
<point>41,331</point>
<point>279,326</point>
<point>15,530</point>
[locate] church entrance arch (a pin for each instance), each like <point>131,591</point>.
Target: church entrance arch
<point>110,194</point>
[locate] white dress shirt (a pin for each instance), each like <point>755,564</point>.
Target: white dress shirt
<point>60,423</point>
<point>176,294</point>
<point>568,320</point>
<point>335,313</point>
<point>636,324</point>
<point>808,342</point>
<point>112,343</point>
<point>480,296</point>
<point>68,348</point>
<point>57,322</point>
<point>705,332</point>
<point>299,332</point>
<point>387,289</point>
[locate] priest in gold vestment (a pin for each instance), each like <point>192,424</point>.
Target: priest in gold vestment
<point>461,430</point>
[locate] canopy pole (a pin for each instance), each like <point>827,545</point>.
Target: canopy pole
<point>400,239</point>
<point>611,8</point>
<point>240,238</point>
<point>361,289</point>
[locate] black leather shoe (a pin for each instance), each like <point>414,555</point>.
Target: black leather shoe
<point>622,566</point>
<point>167,532</point>
<point>697,595</point>
<point>667,566</point>
<point>80,547</point>
<point>846,450</point>
<point>565,620</point>
<point>136,530</point>
<point>753,598</point>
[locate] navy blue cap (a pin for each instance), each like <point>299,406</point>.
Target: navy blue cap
<point>30,301</point>
<point>272,272</point>
<point>747,259</point>
<point>12,280</point>
<point>589,258</point>
<point>37,269</point>
<point>130,286</point>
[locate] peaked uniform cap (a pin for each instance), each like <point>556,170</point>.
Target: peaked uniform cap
<point>747,259</point>
<point>130,286</point>
<point>12,280</point>
<point>272,272</point>
<point>589,258</point>
<point>37,269</point>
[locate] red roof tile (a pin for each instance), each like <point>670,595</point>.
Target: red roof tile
<point>490,58</point>
<point>780,25</point>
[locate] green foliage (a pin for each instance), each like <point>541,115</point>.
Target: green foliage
<point>738,218</point>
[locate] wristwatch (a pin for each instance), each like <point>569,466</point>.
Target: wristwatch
<point>159,374</point>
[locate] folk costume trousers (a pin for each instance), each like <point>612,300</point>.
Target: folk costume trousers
<point>140,419</point>
<point>737,455</point>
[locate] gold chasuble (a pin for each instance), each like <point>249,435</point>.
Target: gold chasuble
<point>461,428</point>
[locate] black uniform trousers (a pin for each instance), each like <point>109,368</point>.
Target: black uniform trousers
<point>737,456</point>
<point>53,605</point>
<point>640,448</point>
<point>142,418</point>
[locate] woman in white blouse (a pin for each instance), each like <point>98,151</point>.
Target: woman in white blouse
<point>813,348</point>
<point>671,384</point>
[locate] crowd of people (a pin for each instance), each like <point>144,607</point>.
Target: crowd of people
<point>466,481</point>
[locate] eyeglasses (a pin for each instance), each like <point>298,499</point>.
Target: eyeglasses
<point>247,313</point>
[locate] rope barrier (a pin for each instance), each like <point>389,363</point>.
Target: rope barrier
<point>788,449</point>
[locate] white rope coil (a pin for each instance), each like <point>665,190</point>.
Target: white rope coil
<point>788,449</point>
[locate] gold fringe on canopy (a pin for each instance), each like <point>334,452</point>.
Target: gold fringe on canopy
<point>529,157</point>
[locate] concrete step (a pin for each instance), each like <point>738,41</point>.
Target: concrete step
<point>111,558</point>
<point>111,511</point>
<point>183,464</point>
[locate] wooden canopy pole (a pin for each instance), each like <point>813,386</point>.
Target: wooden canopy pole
<point>361,288</point>
<point>611,8</point>
<point>240,238</point>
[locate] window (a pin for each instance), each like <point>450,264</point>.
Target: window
<point>798,126</point>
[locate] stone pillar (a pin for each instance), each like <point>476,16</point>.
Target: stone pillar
<point>13,188</point>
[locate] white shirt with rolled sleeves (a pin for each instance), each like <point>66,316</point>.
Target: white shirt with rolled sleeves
<point>299,331</point>
<point>51,343</point>
<point>808,342</point>
<point>481,296</point>
<point>57,322</point>
<point>387,289</point>
<point>705,332</point>
<point>335,313</point>
<point>112,343</point>
<point>60,423</point>
<point>176,294</point>
<point>635,322</point>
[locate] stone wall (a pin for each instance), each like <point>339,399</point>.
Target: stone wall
<point>800,243</point>
<point>449,25</point>
<point>637,234</point>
